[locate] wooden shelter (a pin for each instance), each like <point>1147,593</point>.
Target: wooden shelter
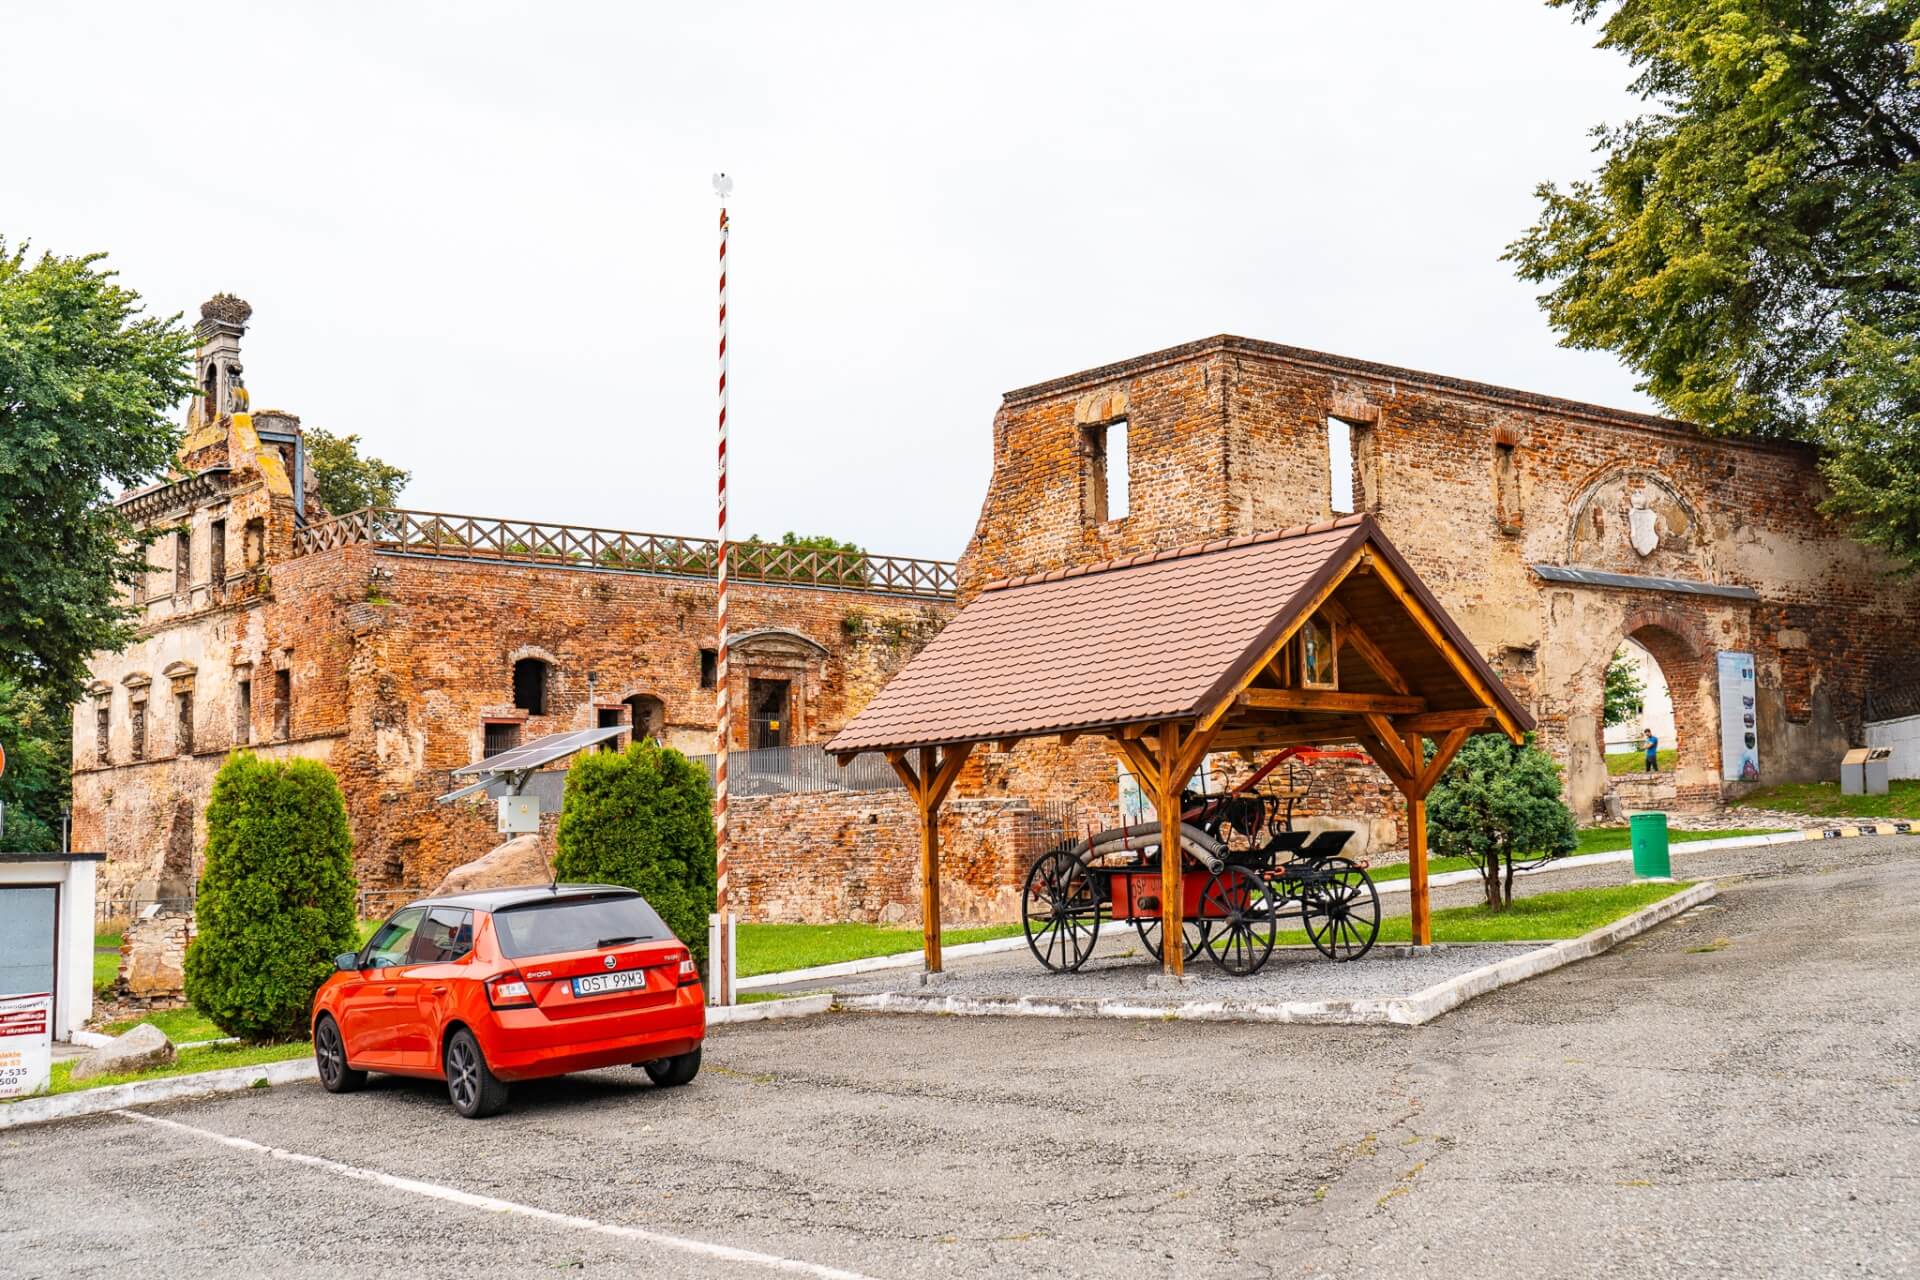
<point>1310,636</point>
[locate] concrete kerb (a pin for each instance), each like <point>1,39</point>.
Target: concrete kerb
<point>1406,1011</point>
<point>88,1102</point>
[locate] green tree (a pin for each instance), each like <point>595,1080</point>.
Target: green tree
<point>35,737</point>
<point>643,818</point>
<point>86,381</point>
<point>1751,244</point>
<point>344,480</point>
<point>843,562</point>
<point>276,900</point>
<point>1499,801</point>
<point>1624,695</point>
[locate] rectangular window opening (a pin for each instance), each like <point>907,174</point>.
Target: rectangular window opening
<point>137,732</point>
<point>500,736</point>
<point>217,552</point>
<point>607,718</point>
<point>709,667</point>
<point>1109,491</point>
<point>102,726</point>
<point>183,723</point>
<point>182,561</point>
<point>283,704</point>
<point>243,713</point>
<point>1340,467</point>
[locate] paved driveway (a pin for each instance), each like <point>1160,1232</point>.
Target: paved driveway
<point>1734,1094</point>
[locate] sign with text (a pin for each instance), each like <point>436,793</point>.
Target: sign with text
<point>26,1044</point>
<point>1739,725</point>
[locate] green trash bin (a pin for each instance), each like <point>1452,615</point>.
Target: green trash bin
<point>1649,832</point>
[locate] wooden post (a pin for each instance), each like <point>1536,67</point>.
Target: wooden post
<point>928,785</point>
<point>1420,904</point>
<point>1166,804</point>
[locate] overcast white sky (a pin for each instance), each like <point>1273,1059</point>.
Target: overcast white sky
<point>482,235</point>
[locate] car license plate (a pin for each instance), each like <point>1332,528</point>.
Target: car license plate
<point>599,984</point>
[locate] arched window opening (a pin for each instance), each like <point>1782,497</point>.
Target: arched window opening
<point>530,686</point>
<point>648,716</point>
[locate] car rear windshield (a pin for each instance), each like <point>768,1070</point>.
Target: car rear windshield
<point>577,924</point>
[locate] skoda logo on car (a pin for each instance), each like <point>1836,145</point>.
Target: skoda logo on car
<point>612,963</point>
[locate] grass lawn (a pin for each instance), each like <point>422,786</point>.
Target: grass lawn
<point>1823,800</point>
<point>771,948</point>
<point>1592,840</point>
<point>183,1026</point>
<point>1543,917</point>
<point>213,1057</point>
<point>1636,761</point>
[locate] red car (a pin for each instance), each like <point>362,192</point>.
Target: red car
<point>479,989</point>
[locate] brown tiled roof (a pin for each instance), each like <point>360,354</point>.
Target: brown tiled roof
<point>1150,637</point>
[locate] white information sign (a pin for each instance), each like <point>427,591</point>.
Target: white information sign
<point>1739,727</point>
<point>26,1044</point>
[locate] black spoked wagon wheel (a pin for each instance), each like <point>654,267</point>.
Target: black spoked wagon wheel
<point>1240,912</point>
<point>1341,910</point>
<point>1195,932</point>
<point>1060,910</point>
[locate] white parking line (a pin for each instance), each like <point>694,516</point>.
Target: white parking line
<point>435,1191</point>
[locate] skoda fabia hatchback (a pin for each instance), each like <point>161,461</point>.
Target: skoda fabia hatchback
<point>481,989</point>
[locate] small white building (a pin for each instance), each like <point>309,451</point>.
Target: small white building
<point>1903,736</point>
<point>46,932</point>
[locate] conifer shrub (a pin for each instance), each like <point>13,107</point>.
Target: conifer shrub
<point>276,900</point>
<point>643,818</point>
<point>1499,803</point>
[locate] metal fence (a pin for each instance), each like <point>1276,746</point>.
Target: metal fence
<point>433,533</point>
<point>778,771</point>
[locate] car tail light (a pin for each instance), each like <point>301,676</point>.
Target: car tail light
<point>689,973</point>
<point>509,991</point>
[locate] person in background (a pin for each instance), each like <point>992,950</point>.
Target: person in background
<point>1652,744</point>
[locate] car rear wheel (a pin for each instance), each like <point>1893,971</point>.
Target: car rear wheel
<point>474,1090</point>
<point>671,1072</point>
<point>330,1055</point>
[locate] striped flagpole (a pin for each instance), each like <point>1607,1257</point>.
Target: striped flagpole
<point>722,962</point>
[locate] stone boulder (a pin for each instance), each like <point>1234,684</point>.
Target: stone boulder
<point>519,861</point>
<point>1371,836</point>
<point>144,1046</point>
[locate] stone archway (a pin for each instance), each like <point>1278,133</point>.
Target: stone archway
<point>1679,646</point>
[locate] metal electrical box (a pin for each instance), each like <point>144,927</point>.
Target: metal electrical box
<point>1863,771</point>
<point>519,814</point>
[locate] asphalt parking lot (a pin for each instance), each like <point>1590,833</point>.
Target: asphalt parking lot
<point>1736,1093</point>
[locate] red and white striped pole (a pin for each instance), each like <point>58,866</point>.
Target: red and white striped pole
<point>722,961</point>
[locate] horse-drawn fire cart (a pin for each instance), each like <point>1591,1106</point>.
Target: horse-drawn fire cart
<point>1244,870</point>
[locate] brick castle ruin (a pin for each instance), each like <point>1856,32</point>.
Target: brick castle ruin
<point>397,646</point>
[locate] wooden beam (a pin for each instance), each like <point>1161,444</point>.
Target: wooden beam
<point>1387,754</point>
<point>1438,638</point>
<point>1320,597</point>
<point>1389,737</point>
<point>1237,735</point>
<point>1420,904</point>
<point>1166,803</point>
<point>1069,738</point>
<point>928,785</point>
<point>1442,757</point>
<point>1332,701</point>
<point>1007,744</point>
<point>1441,721</point>
<point>1351,632</point>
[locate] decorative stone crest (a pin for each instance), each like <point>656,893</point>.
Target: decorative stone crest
<point>1642,524</point>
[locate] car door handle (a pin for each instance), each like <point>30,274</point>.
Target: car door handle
<point>439,991</point>
<point>393,991</point>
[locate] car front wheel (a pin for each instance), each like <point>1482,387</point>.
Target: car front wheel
<point>474,1090</point>
<point>330,1055</point>
<point>670,1072</point>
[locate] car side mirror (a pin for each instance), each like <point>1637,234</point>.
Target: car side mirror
<point>347,962</point>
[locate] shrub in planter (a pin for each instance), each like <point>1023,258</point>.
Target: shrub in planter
<point>276,900</point>
<point>643,818</point>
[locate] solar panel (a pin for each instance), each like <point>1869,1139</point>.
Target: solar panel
<point>542,751</point>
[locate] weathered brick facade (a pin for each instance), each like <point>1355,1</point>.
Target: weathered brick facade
<point>391,663</point>
<point>1477,485</point>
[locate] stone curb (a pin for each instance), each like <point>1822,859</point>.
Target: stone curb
<point>1406,1011</point>
<point>1674,851</point>
<point>87,1102</point>
<point>874,964</point>
<point>761,1011</point>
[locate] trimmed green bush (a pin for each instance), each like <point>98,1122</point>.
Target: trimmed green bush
<point>1496,802</point>
<point>643,818</point>
<point>276,899</point>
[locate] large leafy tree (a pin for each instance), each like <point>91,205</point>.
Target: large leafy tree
<point>347,481</point>
<point>1625,694</point>
<point>35,734</point>
<point>86,380</point>
<point>1750,244</point>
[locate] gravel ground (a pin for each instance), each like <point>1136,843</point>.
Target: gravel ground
<point>1123,970</point>
<point>1733,1094</point>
